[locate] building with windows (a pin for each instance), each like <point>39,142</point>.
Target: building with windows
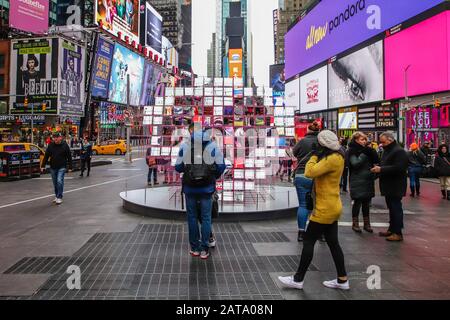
<point>284,16</point>
<point>177,27</point>
<point>212,58</point>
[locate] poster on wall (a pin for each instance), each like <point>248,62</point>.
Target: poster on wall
<point>34,74</point>
<point>153,28</point>
<point>314,91</point>
<point>31,16</point>
<point>292,94</point>
<point>119,16</point>
<point>102,69</point>
<point>150,83</point>
<point>71,86</point>
<point>126,62</point>
<point>357,78</point>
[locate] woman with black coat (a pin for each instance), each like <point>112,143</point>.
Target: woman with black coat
<point>442,167</point>
<point>360,159</point>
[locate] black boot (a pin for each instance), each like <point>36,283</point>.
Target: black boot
<point>81,174</point>
<point>448,195</point>
<point>89,171</point>
<point>444,194</point>
<point>412,192</point>
<point>300,235</point>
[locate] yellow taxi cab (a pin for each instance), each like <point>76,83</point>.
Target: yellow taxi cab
<point>117,147</point>
<point>21,146</point>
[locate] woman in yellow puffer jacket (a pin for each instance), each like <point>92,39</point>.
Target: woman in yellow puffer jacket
<point>325,168</point>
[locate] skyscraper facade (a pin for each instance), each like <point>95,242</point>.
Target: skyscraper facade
<point>177,27</point>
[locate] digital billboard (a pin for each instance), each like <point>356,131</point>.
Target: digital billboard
<point>29,15</point>
<point>348,119</point>
<point>356,78</point>
<point>153,28</point>
<point>71,83</point>
<point>277,77</point>
<point>34,74</point>
<point>70,12</point>
<point>149,86</point>
<point>314,91</point>
<point>429,67</point>
<point>119,16</point>
<point>126,62</point>
<point>292,94</point>
<point>235,63</point>
<point>335,26</point>
<point>102,68</point>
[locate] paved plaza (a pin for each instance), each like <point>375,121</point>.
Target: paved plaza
<point>124,256</point>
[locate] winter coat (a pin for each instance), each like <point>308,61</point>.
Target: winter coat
<point>327,175</point>
<point>416,158</point>
<point>393,174</point>
<point>442,163</point>
<point>303,150</point>
<point>215,154</point>
<point>360,160</point>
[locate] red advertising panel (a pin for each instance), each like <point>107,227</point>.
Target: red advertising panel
<point>425,48</point>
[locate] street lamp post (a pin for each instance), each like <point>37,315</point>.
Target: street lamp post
<point>403,107</point>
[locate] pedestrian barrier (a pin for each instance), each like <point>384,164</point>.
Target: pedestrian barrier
<point>19,165</point>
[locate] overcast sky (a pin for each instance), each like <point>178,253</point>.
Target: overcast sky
<point>204,24</point>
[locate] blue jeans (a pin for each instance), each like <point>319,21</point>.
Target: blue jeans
<point>303,186</point>
<point>152,171</point>
<point>414,176</point>
<point>58,181</point>
<point>199,203</point>
<point>394,205</point>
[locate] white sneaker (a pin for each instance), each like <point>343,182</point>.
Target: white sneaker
<point>290,283</point>
<point>212,242</point>
<point>333,284</point>
<point>54,200</point>
<point>58,201</point>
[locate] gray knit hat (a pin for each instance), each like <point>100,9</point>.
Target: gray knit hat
<point>329,140</point>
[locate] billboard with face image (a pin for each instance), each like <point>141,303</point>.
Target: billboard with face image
<point>357,78</point>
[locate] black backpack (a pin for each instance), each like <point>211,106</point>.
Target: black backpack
<point>199,175</point>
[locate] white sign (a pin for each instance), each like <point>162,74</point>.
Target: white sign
<point>292,95</point>
<point>314,91</point>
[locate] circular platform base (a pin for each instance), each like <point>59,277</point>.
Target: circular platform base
<point>165,203</point>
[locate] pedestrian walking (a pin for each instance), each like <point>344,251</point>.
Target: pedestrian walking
<point>86,156</point>
<point>59,155</point>
<point>325,167</point>
<point>360,158</point>
<point>303,151</point>
<point>201,163</point>
<point>416,161</point>
<point>442,168</point>
<point>152,167</point>
<point>392,173</point>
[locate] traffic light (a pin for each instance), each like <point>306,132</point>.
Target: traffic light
<point>437,103</point>
<point>25,102</point>
<point>44,107</point>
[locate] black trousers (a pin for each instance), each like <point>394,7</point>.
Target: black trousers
<point>313,233</point>
<point>86,163</point>
<point>357,204</point>
<point>394,205</point>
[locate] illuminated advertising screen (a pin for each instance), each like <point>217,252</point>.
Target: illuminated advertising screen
<point>356,78</point>
<point>314,91</point>
<point>348,118</point>
<point>235,63</point>
<point>292,94</point>
<point>119,16</point>
<point>335,26</point>
<point>429,67</point>
<point>126,62</point>
<point>34,73</point>
<point>71,84</point>
<point>102,68</point>
<point>153,28</point>
<point>29,15</point>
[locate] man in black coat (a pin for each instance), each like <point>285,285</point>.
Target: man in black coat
<point>393,183</point>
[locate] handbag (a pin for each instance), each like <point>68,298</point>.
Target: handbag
<point>298,165</point>
<point>151,161</point>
